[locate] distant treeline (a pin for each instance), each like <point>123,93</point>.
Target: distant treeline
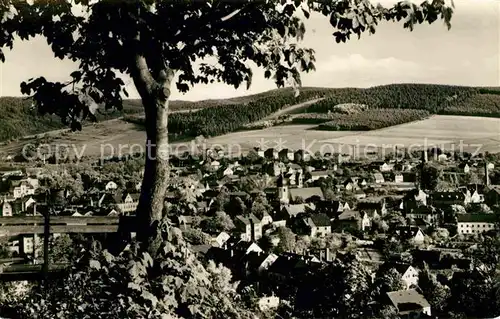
<point>227,115</point>
<point>433,98</point>
<point>370,119</point>
<point>227,118</point>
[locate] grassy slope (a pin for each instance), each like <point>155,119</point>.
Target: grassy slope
<point>18,120</point>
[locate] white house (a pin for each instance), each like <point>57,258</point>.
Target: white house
<point>379,178</point>
<point>228,171</point>
<point>5,209</point>
<point>266,219</point>
<point>386,167</point>
<point>110,186</point>
<point>221,239</point>
<point>470,224</point>
<point>421,196</point>
<point>411,233</point>
<point>128,203</point>
<point>398,178</point>
<point>409,275</point>
<point>19,189</point>
<point>215,164</point>
<point>268,261</point>
<point>267,303</point>
<point>442,157</point>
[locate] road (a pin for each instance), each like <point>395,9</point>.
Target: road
<point>291,109</point>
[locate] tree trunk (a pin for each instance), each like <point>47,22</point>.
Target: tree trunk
<point>155,93</point>
<point>156,170</point>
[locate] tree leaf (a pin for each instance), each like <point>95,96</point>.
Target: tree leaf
<point>306,13</point>
<point>77,75</point>
<point>134,286</point>
<point>147,259</point>
<point>95,264</point>
<point>149,296</point>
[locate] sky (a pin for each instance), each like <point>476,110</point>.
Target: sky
<point>468,54</point>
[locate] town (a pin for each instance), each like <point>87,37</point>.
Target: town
<point>419,224</point>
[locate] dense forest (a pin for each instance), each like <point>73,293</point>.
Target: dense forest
<point>223,119</point>
<point>433,98</point>
<point>437,99</point>
<point>370,119</point>
<point>20,119</point>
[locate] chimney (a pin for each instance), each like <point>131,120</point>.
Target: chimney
<point>486,174</point>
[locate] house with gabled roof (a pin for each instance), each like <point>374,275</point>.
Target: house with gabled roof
<point>332,208</point>
<point>378,178</point>
<point>440,199</point>
<point>373,203</point>
<point>127,202</point>
<point>352,219</point>
<point>318,225</point>
<point>473,224</point>
<point>411,233</point>
<point>316,175</point>
<point>351,184</point>
<point>408,273</point>
<point>271,153</point>
<point>249,227</point>
<point>257,262</point>
<point>426,213</point>
<point>464,168</point>
<point>290,264</point>
<point>290,211</point>
<point>5,209</point>
<point>221,239</point>
<point>409,303</point>
<point>306,194</point>
<point>21,188</point>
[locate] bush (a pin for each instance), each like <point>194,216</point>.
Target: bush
<point>132,284</point>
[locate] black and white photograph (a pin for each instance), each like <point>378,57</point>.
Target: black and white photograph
<point>249,159</point>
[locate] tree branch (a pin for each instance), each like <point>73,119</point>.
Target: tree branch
<point>229,16</point>
<point>143,79</point>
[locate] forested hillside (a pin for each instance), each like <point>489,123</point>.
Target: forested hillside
<point>19,119</point>
<point>437,99</point>
<point>220,116</point>
<point>226,118</point>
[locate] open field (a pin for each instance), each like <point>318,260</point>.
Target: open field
<point>447,132</point>
<point>442,131</point>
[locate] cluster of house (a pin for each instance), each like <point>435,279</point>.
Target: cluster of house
<point>21,196</point>
<point>294,187</point>
<point>300,204</point>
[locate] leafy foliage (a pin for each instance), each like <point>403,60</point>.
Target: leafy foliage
<point>130,37</point>
<point>135,285</point>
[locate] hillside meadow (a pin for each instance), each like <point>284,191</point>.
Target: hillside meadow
<point>447,132</point>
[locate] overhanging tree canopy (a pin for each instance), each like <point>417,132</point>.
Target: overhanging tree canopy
<point>153,41</point>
